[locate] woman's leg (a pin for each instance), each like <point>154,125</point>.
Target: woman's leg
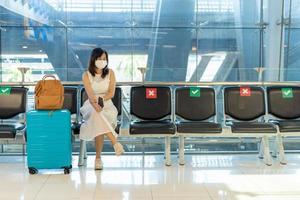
<point>99,145</point>
<point>117,146</point>
<point>112,138</point>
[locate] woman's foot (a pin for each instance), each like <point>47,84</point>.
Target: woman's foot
<point>98,164</point>
<point>118,149</point>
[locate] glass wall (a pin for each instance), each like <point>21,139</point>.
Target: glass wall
<point>198,42</point>
<point>175,40</point>
<point>204,40</point>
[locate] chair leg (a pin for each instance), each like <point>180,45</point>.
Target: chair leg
<point>181,150</point>
<point>168,151</point>
<point>274,147</point>
<point>261,149</point>
<point>280,146</point>
<point>81,153</point>
<point>85,150</point>
<point>23,149</point>
<point>267,156</point>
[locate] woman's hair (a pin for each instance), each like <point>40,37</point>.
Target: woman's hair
<point>96,53</point>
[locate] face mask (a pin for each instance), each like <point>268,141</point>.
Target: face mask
<point>100,64</point>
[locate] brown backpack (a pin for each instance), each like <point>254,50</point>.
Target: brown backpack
<point>49,94</point>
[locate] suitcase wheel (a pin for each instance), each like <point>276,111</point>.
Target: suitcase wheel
<point>32,170</point>
<point>66,171</point>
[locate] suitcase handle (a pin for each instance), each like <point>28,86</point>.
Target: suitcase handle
<point>48,76</point>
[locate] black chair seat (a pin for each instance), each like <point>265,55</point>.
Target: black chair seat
<point>76,128</point>
<point>10,130</point>
<point>289,126</point>
<point>252,127</point>
<point>198,127</point>
<point>152,127</point>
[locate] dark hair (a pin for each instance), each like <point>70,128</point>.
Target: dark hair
<point>96,53</point>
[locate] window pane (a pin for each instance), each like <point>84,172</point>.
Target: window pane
<point>116,41</point>
<point>228,54</point>
<point>105,13</point>
<point>233,13</point>
<point>293,7</point>
<point>165,52</point>
<point>291,42</point>
<point>164,13</point>
<point>41,56</point>
<point>291,57</point>
<point>32,13</point>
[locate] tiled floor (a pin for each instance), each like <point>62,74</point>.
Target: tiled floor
<point>206,177</point>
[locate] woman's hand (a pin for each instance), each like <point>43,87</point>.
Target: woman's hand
<point>93,100</point>
<point>96,107</point>
<point>94,103</point>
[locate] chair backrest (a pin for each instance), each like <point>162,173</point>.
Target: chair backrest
<point>150,103</point>
<point>195,103</point>
<point>244,103</point>
<point>117,99</point>
<point>284,101</point>
<point>70,101</point>
<point>13,103</point>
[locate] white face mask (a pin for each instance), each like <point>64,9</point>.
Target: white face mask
<point>100,64</point>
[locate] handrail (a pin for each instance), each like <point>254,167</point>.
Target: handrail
<point>291,83</point>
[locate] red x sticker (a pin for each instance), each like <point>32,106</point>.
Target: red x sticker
<point>245,91</point>
<point>151,93</point>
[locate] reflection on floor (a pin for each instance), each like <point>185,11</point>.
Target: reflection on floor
<point>205,177</point>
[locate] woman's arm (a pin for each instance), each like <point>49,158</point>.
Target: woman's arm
<point>88,88</point>
<point>112,86</point>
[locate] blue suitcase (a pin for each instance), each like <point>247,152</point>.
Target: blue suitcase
<point>48,140</point>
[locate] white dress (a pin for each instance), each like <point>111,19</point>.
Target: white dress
<point>98,123</point>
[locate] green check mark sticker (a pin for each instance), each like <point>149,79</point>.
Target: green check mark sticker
<point>195,92</point>
<point>287,93</point>
<point>5,90</point>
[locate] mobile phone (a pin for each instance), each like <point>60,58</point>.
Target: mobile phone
<point>100,102</point>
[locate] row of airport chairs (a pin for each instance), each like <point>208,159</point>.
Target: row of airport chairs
<point>248,112</point>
